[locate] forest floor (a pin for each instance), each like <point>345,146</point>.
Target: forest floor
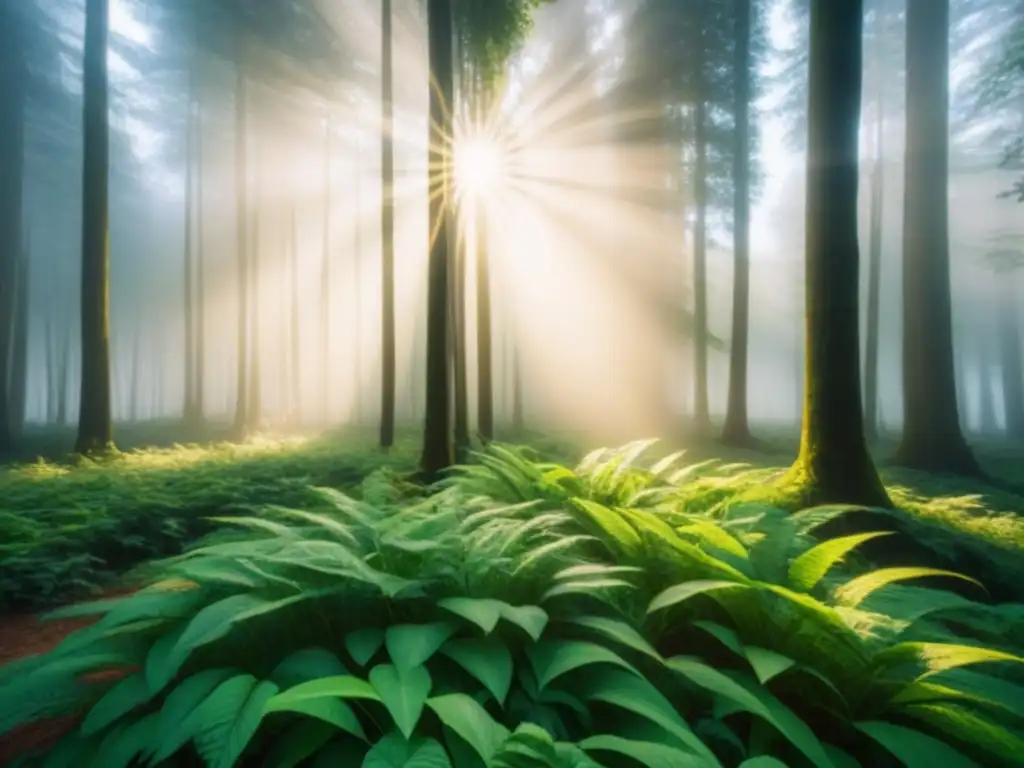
<point>73,529</point>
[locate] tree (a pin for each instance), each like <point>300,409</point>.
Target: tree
<point>737,428</point>
<point>834,464</point>
<point>1006,264</point>
<point>241,421</point>
<point>95,433</point>
<point>387,224</point>
<point>932,438</point>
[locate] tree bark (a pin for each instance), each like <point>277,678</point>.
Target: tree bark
<point>1010,358</point>
<point>701,413</point>
<point>190,373</point>
<point>387,224</point>
<point>357,281</point>
<point>834,464</point>
<point>438,452</point>
<point>199,393</point>
<point>484,325</point>
<point>875,273</point>
<point>240,427</point>
<point>295,337</point>
<point>325,284</point>
<point>18,382</point>
<point>95,432</point>
<point>932,438</point>
<point>737,426</point>
<point>986,399</point>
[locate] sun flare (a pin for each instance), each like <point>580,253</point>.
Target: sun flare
<point>479,165</point>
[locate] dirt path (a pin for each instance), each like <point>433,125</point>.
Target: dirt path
<point>22,636</point>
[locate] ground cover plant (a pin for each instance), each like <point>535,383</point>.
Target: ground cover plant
<point>526,613</point>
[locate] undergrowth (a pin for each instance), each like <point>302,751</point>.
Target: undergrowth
<point>526,614</point>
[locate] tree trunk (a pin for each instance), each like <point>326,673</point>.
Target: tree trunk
<point>1010,359</point>
<point>295,337</point>
<point>133,385</point>
<point>357,304</point>
<point>13,78</point>
<point>875,273</point>
<point>484,329</point>
<point>387,242</point>
<point>18,382</point>
<point>737,427</point>
<point>51,370</point>
<point>190,374</point>
<point>95,432</point>
<point>701,414</point>
<point>255,416</point>
<point>240,427</point>
<point>518,414</point>
<point>932,438</point>
<point>437,437</point>
<point>199,402</point>
<point>986,399</point>
<point>834,464</point>
<point>458,328</point>
<point>62,376</point>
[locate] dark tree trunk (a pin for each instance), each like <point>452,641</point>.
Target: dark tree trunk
<point>834,464</point>
<point>51,370</point>
<point>242,246</point>
<point>13,78</point>
<point>701,413</point>
<point>95,432</point>
<point>1010,359</point>
<point>986,398</point>
<point>484,329</point>
<point>874,273</point>
<point>133,385</point>
<point>387,241</point>
<point>190,360</point>
<point>18,383</point>
<point>325,284</point>
<point>932,438</point>
<point>199,403</point>
<point>63,373</point>
<point>438,452</point>
<point>458,327</point>
<point>737,427</point>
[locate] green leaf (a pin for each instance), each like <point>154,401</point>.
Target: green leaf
<point>307,664</point>
<point>764,761</point>
<point>619,632</point>
<point>716,536</point>
<point>125,743</point>
<point>530,618</point>
<point>322,699</point>
<point>589,587</point>
<point>484,613</point>
<point>328,709</point>
<point>471,722</point>
<point>300,741</point>
<point>611,524</point>
<point>767,664</point>
<point>650,754</point>
<point>587,570</point>
<point>394,751</point>
<point>855,591</point>
<point>939,657</point>
<point>487,659</point>
<point>807,570</point>
<point>724,635</point>
<point>554,658</point>
<point>173,728</point>
<point>412,645</point>
<point>913,748</point>
<point>119,700</point>
<point>227,720</point>
<point>363,644</point>
<point>682,592</point>
<point>159,670</point>
<point>403,692</point>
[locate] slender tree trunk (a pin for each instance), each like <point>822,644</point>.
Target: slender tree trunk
<point>701,414</point>
<point>932,438</point>
<point>295,338</point>
<point>1010,358</point>
<point>133,385</point>
<point>325,284</point>
<point>95,432</point>
<point>484,330</point>
<point>357,304</point>
<point>18,383</point>
<point>986,398</point>
<point>518,414</point>
<point>387,241</point>
<point>875,272</point>
<point>834,464</point>
<point>458,327</point>
<point>242,245</point>
<point>62,376</point>
<point>737,427</point>
<point>13,79</point>
<point>199,401</point>
<point>51,370</point>
<point>190,374</point>
<point>438,452</point>
<point>255,416</point>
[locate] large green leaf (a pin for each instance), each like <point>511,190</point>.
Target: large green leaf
<point>530,618</point>
<point>553,658</point>
<point>394,751</point>
<point>484,613</point>
<point>616,530</point>
<point>363,644</point>
<point>855,591</point>
<point>307,664</point>
<point>318,698</point>
<point>470,722</point>
<point>682,592</point>
<point>763,761</point>
<point>767,664</point>
<point>121,699</point>
<point>807,570</point>
<point>487,659</point>
<point>619,632</point>
<point>647,753</point>
<point>228,718</point>
<point>939,657</point>
<point>403,692</point>
<point>412,645</point>
<point>300,741</point>
<point>913,748</point>
<point>173,728</point>
<point>125,743</point>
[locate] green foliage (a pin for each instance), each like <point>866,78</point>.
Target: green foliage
<point>526,614</point>
<point>492,30</point>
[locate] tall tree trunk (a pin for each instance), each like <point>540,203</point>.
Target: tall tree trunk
<point>95,432</point>
<point>63,373</point>
<point>295,338</point>
<point>701,414</point>
<point>834,464</point>
<point>875,270</point>
<point>1010,358</point>
<point>199,401</point>
<point>325,284</point>
<point>737,427</point>
<point>18,383</point>
<point>484,330</point>
<point>13,79</point>
<point>240,427</point>
<point>51,370</point>
<point>518,415</point>
<point>387,234</point>
<point>357,304</point>
<point>932,438</point>
<point>190,374</point>
<point>986,398</point>
<point>133,385</point>
<point>458,328</point>
<point>255,416</point>
<point>438,452</point>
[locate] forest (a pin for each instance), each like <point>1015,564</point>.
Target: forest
<point>512,383</point>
